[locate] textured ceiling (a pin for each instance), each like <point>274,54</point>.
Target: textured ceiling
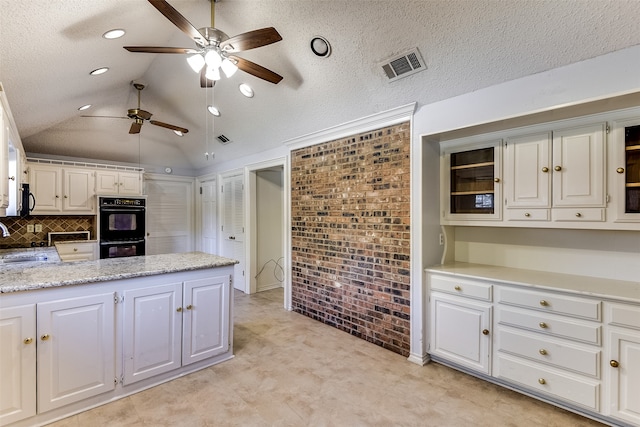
<point>47,49</point>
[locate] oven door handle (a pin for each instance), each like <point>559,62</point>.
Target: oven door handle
<point>121,210</point>
<point>133,242</point>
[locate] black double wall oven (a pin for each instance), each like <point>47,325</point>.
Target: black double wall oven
<point>121,226</point>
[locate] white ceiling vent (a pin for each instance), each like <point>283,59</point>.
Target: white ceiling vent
<point>223,139</point>
<point>403,65</point>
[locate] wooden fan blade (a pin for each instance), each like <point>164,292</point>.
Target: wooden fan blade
<point>257,70</point>
<point>178,20</point>
<point>168,126</point>
<point>153,49</point>
<point>251,40</point>
<point>109,117</point>
<point>204,81</point>
<point>135,127</point>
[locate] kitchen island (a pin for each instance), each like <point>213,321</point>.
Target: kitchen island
<point>101,330</point>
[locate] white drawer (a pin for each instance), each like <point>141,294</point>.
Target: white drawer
<point>578,214</point>
<point>462,287</point>
<point>583,360</point>
<point>624,315</point>
<point>551,325</point>
<point>551,303</point>
<point>75,251</point>
<point>527,214</point>
<point>572,388</point>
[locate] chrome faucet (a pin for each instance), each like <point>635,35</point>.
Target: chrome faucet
<point>5,230</point>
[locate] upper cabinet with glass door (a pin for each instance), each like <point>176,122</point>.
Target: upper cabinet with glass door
<point>472,188</point>
<point>625,169</point>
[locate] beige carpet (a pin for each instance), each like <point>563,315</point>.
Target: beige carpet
<point>290,370</point>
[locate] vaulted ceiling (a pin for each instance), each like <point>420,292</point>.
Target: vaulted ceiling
<point>48,48</point>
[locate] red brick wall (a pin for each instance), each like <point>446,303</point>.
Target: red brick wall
<point>350,235</point>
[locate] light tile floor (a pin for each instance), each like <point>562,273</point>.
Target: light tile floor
<point>290,370</point>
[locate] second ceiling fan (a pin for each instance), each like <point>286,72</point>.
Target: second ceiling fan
<point>214,49</point>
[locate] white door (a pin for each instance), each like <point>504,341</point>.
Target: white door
<point>578,166</point>
<point>169,216</point>
<point>206,318</point>
<point>625,375</point>
<point>232,227</point>
<point>78,190</point>
<point>152,331</point>
<point>209,216</point>
<point>76,349</point>
<point>17,363</point>
<point>457,332</point>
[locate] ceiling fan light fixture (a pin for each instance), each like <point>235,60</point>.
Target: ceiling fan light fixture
<point>213,73</point>
<point>114,34</point>
<point>229,67</point>
<point>246,90</point>
<point>196,62</point>
<point>212,58</point>
<point>177,132</point>
<point>84,107</point>
<point>99,71</point>
<point>213,110</point>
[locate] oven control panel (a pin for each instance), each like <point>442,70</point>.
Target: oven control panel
<point>122,201</point>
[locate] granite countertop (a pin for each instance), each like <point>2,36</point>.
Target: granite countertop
<point>49,253</point>
<point>585,285</point>
<point>29,276</point>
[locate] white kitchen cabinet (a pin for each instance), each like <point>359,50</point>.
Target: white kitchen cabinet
<point>624,168</point>
<point>471,181</point>
<point>461,323</point>
<point>75,349</point>
<point>623,362</point>
<point>62,190</point>
<point>112,182</point>
<point>556,175</point>
<point>173,325</point>
<point>17,363</point>
<point>77,251</point>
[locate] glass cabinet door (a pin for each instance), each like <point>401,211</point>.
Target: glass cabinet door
<point>632,166</point>
<point>472,181</point>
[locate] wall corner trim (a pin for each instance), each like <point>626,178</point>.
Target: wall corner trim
<point>375,121</point>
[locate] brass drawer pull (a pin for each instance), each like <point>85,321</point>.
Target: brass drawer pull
<point>485,332</point>
<point>179,309</point>
<point>614,364</point>
<point>544,303</point>
<point>542,325</point>
<point>545,169</point>
<point>542,351</point>
<point>457,288</point>
<point>45,337</point>
<point>558,168</point>
<point>28,340</point>
<point>620,170</point>
<point>189,307</point>
<point>542,381</point>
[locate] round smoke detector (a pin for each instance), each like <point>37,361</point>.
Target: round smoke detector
<point>320,46</point>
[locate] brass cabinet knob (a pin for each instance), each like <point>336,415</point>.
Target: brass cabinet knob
<point>57,197</point>
<point>457,288</point>
<point>28,340</point>
<point>544,303</point>
<point>189,307</point>
<point>75,249</point>
<point>44,337</point>
<point>620,170</point>
<point>12,178</point>
<point>578,214</point>
<point>542,325</point>
<point>496,179</point>
<point>66,197</point>
<point>614,363</point>
<point>542,381</point>
<point>545,169</point>
<point>179,309</point>
<point>485,332</point>
<point>527,214</point>
<point>558,168</point>
<point>542,351</point>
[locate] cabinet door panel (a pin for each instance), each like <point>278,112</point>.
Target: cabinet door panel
<point>625,379</point>
<point>129,184</point>
<point>456,332</point>
<point>152,331</point>
<point>76,346</point>
<point>78,190</point>
<point>45,184</point>
<point>578,166</point>
<point>107,182</point>
<point>17,363</point>
<point>526,160</point>
<point>206,318</point>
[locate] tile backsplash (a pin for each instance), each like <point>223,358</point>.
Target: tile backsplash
<point>21,238</point>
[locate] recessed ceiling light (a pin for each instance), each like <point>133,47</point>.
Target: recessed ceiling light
<point>99,71</point>
<point>213,110</point>
<point>113,34</point>
<point>177,132</point>
<point>84,107</point>
<point>246,90</point>
<point>320,46</point>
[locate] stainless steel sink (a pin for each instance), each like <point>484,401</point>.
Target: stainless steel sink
<point>29,258</point>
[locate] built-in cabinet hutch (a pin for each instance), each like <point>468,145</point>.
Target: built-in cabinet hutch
<point>572,340</point>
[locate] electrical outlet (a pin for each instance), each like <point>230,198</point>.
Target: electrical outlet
<point>38,228</point>
<point>441,239</point>
<point>29,228</point>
